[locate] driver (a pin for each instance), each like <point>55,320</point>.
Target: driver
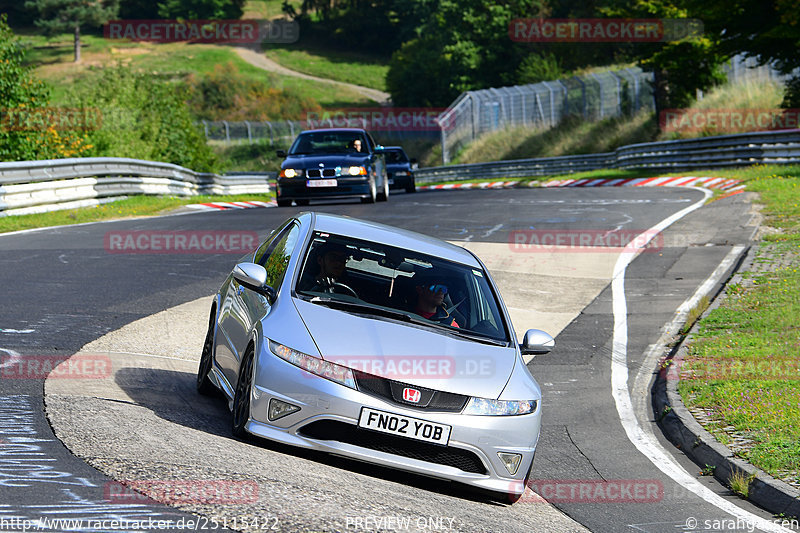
<point>331,259</point>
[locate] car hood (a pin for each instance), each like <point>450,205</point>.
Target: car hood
<point>409,354</point>
<point>328,161</point>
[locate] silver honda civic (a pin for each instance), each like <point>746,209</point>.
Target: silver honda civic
<point>379,344</point>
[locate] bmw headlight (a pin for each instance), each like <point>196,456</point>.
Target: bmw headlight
<point>292,173</point>
<point>319,367</point>
<point>486,407</point>
<point>357,171</point>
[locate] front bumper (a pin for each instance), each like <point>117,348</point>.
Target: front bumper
<point>400,182</point>
<point>346,187</point>
<point>329,411</point>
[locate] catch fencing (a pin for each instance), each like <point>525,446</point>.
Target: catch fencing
<point>543,105</point>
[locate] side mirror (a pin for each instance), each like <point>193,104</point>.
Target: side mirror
<point>280,153</point>
<point>414,164</point>
<point>254,277</point>
<point>536,342</point>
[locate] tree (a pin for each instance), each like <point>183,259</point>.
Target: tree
<point>680,67</point>
<point>69,15</point>
<point>24,132</point>
<point>463,45</point>
<point>201,9</point>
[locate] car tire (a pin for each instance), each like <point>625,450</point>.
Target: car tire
<point>301,202</point>
<point>411,186</point>
<point>241,397</point>
<point>384,194</point>
<point>284,202</point>
<point>373,193</point>
<point>204,384</point>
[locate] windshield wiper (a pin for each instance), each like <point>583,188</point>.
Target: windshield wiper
<point>366,308</point>
<point>405,317</point>
<point>475,337</point>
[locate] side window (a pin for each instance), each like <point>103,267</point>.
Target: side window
<point>266,246</point>
<point>278,257</point>
<point>371,142</point>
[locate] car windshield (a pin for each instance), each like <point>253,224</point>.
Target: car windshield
<point>396,156</point>
<point>328,142</point>
<point>386,281</point>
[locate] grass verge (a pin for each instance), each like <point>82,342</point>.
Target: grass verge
<point>135,206</point>
<point>743,366</point>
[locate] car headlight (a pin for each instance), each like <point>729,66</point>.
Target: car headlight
<point>292,173</point>
<point>484,406</point>
<point>319,367</point>
<point>357,171</point>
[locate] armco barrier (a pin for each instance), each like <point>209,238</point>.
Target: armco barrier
<point>39,186</point>
<point>779,147</point>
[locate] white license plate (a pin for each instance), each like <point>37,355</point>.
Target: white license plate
<point>413,428</point>
<point>321,183</point>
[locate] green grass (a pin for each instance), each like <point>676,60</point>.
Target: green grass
<point>53,60</point>
<point>573,136</point>
<point>350,67</point>
<point>745,356</point>
<point>135,206</point>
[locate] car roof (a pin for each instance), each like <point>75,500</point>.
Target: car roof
<point>330,130</point>
<point>376,232</point>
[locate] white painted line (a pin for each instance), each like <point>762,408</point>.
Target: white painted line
<point>21,331</point>
<point>13,357</point>
<point>646,444</point>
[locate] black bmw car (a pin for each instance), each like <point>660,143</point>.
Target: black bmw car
<point>400,169</point>
<point>330,164</point>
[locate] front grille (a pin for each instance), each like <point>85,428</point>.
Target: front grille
<point>387,389</point>
<point>334,430</point>
<point>326,173</point>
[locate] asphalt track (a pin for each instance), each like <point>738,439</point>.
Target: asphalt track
<point>62,290</point>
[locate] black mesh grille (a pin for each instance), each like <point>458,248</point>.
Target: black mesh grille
<point>313,173</point>
<point>329,172</point>
<point>430,453</point>
<point>441,401</point>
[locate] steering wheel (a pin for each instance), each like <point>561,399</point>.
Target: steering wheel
<point>347,289</point>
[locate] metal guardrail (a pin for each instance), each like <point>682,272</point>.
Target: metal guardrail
<point>40,186</point>
<point>780,147</point>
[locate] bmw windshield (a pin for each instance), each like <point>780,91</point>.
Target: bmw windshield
<point>386,281</point>
<point>329,142</point>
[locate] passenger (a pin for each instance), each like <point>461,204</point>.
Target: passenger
<point>357,145</point>
<point>430,301</point>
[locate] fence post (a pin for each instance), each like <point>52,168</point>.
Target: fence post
<point>227,131</point>
<point>600,86</point>
<point>205,128</point>
<point>619,93</point>
<point>291,128</point>
<point>249,133</point>
<point>271,138</point>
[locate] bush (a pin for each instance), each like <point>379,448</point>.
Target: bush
<point>143,118</point>
<point>24,134</point>
<point>225,94</point>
